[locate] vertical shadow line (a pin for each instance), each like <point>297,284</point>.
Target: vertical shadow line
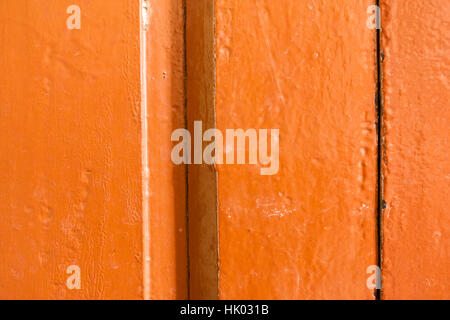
<point>380,150</point>
<point>188,264</point>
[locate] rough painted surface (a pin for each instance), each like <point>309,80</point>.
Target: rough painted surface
<point>309,69</point>
<point>166,108</point>
<point>70,155</point>
<point>416,246</point>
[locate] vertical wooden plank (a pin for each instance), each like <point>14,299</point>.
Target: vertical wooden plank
<point>307,68</point>
<point>416,248</point>
<point>166,109</point>
<point>70,156</point>
<point>202,194</point>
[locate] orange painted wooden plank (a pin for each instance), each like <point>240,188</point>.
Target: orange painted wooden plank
<point>166,109</point>
<point>416,68</point>
<point>202,190</point>
<point>307,68</point>
<point>70,156</point>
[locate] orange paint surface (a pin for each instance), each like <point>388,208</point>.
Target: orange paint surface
<point>70,156</point>
<point>308,69</point>
<point>308,232</point>
<point>84,112</point>
<point>416,231</point>
<point>166,108</point>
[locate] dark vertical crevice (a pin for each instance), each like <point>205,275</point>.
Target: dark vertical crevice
<point>188,295</point>
<point>380,150</point>
<point>215,126</point>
